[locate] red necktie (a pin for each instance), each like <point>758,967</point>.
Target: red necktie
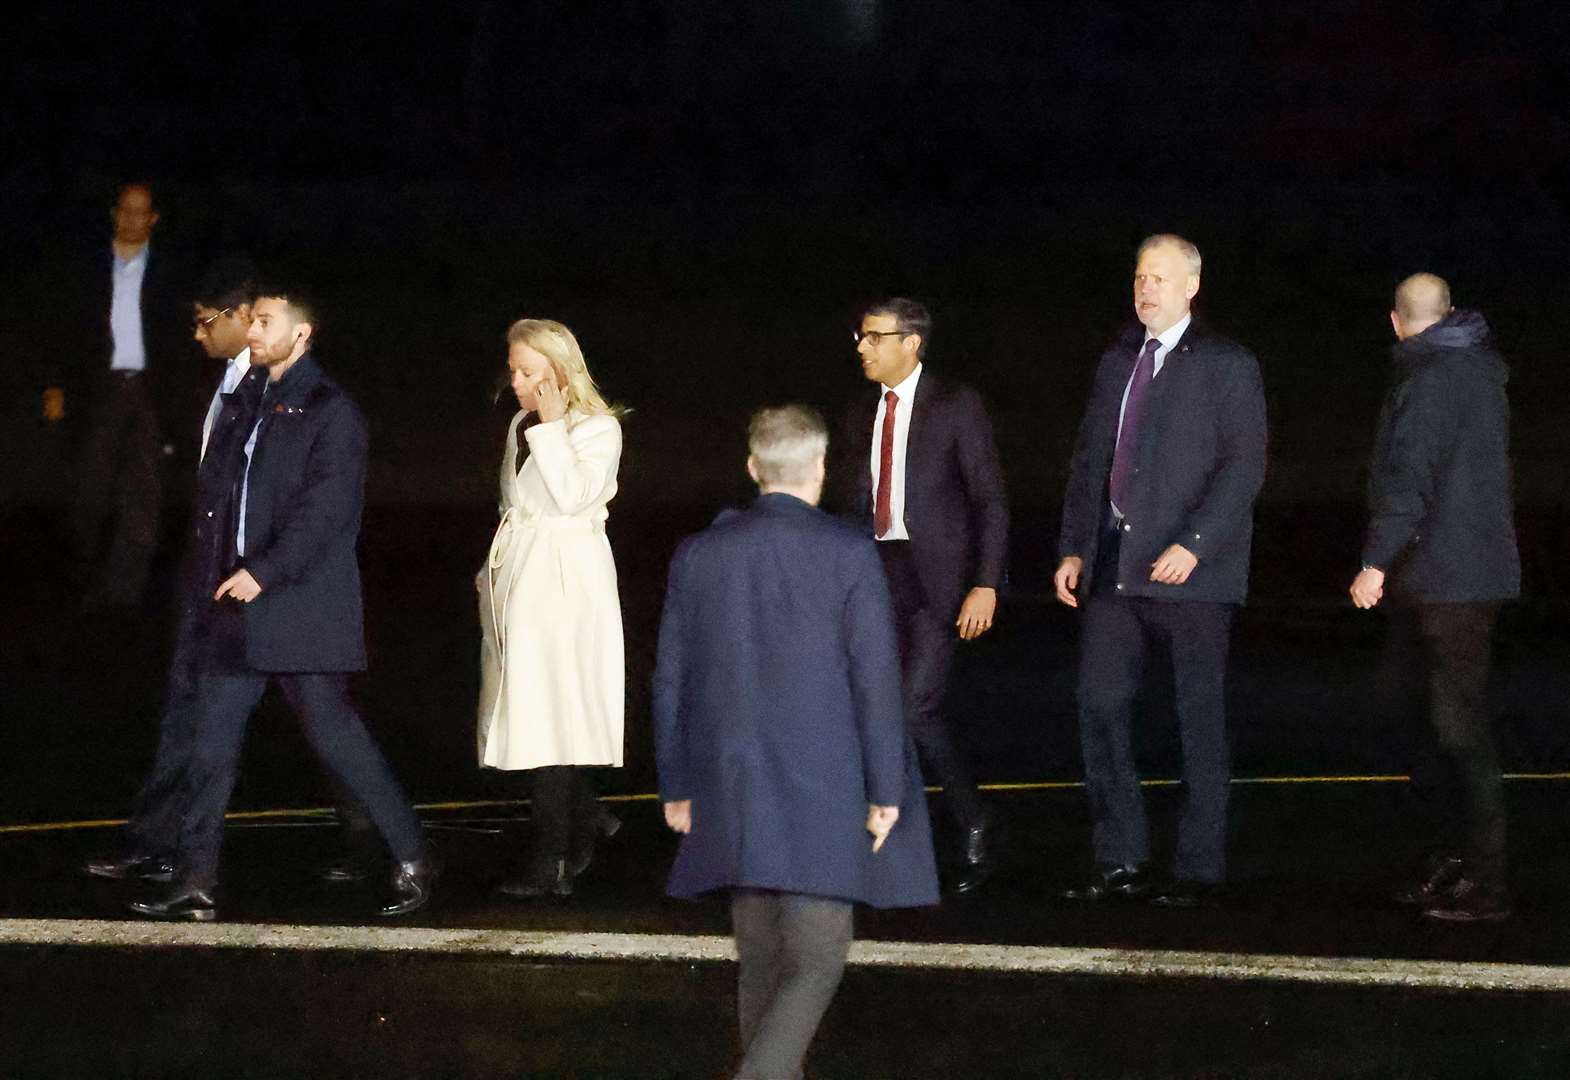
<point>882,514</point>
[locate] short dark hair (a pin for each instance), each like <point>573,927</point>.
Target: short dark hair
<point>909,317</point>
<point>301,303</point>
<point>228,282</point>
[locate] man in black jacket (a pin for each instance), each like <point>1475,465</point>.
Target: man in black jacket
<point>1441,534</point>
<point>121,379</point>
<point>1157,523</point>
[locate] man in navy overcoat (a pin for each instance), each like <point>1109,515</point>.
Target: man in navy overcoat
<point>780,741</point>
<point>1157,523</point>
<point>288,609</point>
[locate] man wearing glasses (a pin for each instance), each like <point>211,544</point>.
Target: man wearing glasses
<point>922,472</point>
<point>220,319</point>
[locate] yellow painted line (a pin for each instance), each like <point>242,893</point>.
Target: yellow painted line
<point>667,948</point>
<point>1033,785</point>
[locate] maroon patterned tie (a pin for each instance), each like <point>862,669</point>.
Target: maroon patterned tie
<point>883,514</point>
<point>1128,434</point>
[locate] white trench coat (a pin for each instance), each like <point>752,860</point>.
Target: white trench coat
<point>552,666</point>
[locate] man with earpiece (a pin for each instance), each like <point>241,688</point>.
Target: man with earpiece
<point>288,608</point>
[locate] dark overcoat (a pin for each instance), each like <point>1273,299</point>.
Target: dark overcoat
<point>777,711</point>
<point>1199,465</point>
<point>302,526</point>
<point>1441,511</point>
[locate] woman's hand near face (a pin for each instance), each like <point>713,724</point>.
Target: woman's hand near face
<point>549,401</point>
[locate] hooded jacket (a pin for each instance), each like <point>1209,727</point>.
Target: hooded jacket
<point>1441,516</point>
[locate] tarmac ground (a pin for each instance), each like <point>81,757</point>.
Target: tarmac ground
<point>1304,969</point>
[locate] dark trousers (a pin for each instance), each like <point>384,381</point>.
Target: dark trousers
<point>154,826</point>
<point>926,652</point>
<point>1455,773</point>
<point>153,829</point>
<point>224,703</point>
<point>1117,636</point>
<point>119,480</point>
<point>563,810</point>
<point>792,951</point>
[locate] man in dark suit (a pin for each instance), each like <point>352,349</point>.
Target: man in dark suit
<point>780,742</point>
<point>287,608</point>
<point>1157,523</point>
<point>1441,475</point>
<point>920,469</point>
<point>120,380</point>
<point>220,321</point>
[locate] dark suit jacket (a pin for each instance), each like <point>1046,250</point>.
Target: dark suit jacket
<point>78,314</point>
<point>302,525</point>
<point>216,628</point>
<point>1200,465</point>
<point>777,711</point>
<point>955,508</point>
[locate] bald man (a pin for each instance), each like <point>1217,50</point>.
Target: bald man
<point>1441,540</point>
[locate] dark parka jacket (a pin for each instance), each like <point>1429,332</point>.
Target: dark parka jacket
<point>1441,518</point>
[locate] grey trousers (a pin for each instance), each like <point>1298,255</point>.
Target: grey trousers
<point>792,950</point>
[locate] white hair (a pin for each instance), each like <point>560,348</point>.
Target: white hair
<point>786,444</point>
<point>1190,252</point>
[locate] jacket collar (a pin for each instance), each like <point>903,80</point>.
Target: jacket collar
<point>297,382</point>
<point>777,502</point>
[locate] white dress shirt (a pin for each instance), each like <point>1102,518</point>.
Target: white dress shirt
<point>1168,338</point>
<point>125,313</point>
<point>906,393</point>
<point>232,376</point>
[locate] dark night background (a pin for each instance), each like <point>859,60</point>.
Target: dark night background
<point>706,192</point>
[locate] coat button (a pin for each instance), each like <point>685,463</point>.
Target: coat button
<point>1120,586</point>
<point>1127,527</point>
<point>209,513</point>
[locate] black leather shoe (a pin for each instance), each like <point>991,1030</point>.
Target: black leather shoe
<point>547,878</point>
<point>127,867</point>
<point>1187,895</point>
<point>980,847</point>
<point>1470,900</point>
<point>183,902</point>
<point>1440,873</point>
<point>604,826</point>
<point>1117,883</point>
<point>412,883</point>
<point>978,842</point>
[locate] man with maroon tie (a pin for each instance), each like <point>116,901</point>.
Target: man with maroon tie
<point>1157,523</point>
<point>921,470</point>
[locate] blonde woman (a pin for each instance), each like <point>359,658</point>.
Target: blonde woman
<point>552,666</point>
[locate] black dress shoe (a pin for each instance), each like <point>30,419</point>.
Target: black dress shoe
<point>604,826</point>
<point>1470,900</point>
<point>1186,895</point>
<point>185,902</point>
<point>542,878</point>
<point>126,867</point>
<point>412,883</point>
<point>1117,883</point>
<point>980,846</point>
<point>1440,874</point>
